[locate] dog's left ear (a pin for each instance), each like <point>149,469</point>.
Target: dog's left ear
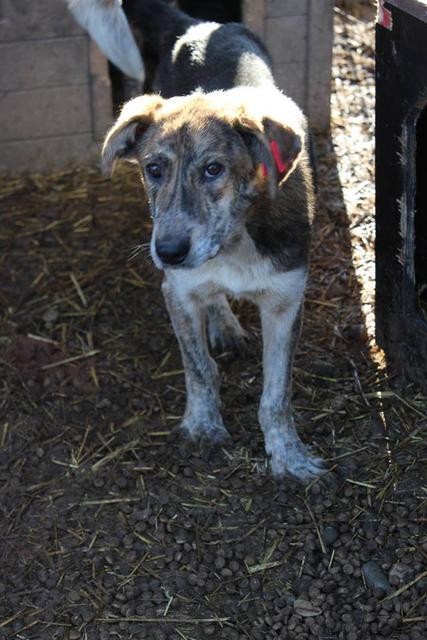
<point>124,138</point>
<point>275,148</point>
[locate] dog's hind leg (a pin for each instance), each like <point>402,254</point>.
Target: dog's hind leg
<point>202,418</point>
<point>224,330</point>
<point>280,329</point>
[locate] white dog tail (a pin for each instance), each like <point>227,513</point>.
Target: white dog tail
<point>106,23</point>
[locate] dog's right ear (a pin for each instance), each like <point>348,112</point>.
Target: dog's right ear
<point>123,139</point>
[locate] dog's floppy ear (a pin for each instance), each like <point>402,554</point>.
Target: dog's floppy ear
<point>275,148</point>
<point>285,146</point>
<point>123,138</point>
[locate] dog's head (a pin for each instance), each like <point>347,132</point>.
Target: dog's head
<point>204,159</point>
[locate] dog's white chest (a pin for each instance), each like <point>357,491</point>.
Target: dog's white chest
<point>238,278</point>
<point>242,273</point>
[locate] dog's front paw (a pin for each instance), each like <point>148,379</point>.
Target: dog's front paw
<point>205,427</point>
<point>294,460</point>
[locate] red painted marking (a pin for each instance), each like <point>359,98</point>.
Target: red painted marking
<point>385,17</point>
<point>281,166</point>
<point>264,170</point>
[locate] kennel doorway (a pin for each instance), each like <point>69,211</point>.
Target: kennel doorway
<point>401,187</point>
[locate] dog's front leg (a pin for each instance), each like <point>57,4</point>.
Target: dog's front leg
<point>202,418</point>
<point>280,329</point>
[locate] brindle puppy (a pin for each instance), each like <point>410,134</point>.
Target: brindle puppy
<point>230,192</point>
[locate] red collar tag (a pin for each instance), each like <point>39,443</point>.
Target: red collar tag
<point>281,166</point>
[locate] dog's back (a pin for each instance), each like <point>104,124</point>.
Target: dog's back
<point>197,55</point>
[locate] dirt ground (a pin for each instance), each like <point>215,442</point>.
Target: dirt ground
<point>110,525</point>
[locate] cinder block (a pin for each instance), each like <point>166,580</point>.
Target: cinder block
<point>45,112</point>
<point>43,63</point>
<point>275,8</point>
<point>55,93</point>
<point>290,77</point>
<point>286,38</point>
<point>100,90</point>
<point>47,154</point>
<point>253,15</point>
<point>35,19</point>
<point>298,32</point>
<point>319,63</point>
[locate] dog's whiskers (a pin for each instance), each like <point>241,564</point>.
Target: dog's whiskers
<point>140,250</point>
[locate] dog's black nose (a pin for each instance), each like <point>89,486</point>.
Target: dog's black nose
<point>172,250</point>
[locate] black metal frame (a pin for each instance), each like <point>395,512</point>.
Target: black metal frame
<point>401,80</point>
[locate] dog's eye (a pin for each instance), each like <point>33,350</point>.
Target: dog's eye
<point>213,169</point>
<point>154,170</point>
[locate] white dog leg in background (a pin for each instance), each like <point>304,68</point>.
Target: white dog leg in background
<point>106,23</point>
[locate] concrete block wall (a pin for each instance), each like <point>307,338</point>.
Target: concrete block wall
<point>55,93</point>
<point>55,97</point>
<point>299,36</point>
